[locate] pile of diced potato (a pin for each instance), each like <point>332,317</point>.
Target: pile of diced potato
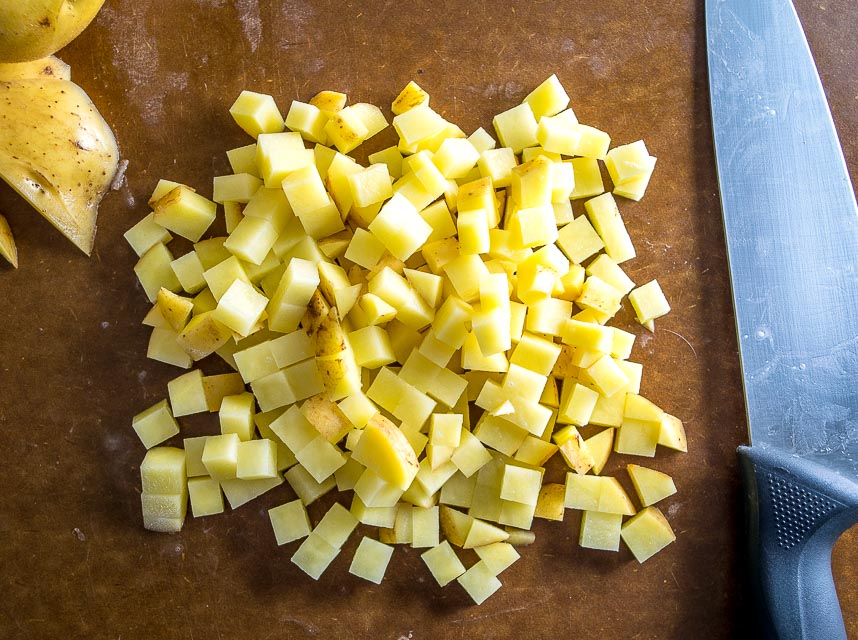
<point>422,334</point>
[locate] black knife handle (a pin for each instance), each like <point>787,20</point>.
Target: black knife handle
<point>796,510</point>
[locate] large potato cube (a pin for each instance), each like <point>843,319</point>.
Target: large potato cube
<point>600,530</point>
<point>606,219</point>
<point>279,154</point>
<point>305,486</point>
<point>649,302</point>
<point>516,127</point>
<point>220,456</point>
<point>146,234</point>
<point>443,563</point>
<point>479,581</point>
<point>154,272</point>
<point>548,99</point>
<point>308,120</point>
<point>256,460</point>
<point>400,228</point>
<point>241,307</point>
<point>187,394</point>
<point>520,484</point>
<point>155,425</point>
<point>336,525</point>
<point>425,527</point>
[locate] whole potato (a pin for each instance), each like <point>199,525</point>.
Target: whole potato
<point>31,29</point>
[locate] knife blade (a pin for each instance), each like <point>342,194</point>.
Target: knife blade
<point>791,227</point>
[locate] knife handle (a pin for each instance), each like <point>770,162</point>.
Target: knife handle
<point>796,510</point>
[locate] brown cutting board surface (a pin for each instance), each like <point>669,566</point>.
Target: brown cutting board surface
<point>75,561</point>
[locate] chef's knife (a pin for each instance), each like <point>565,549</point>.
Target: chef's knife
<point>791,225</point>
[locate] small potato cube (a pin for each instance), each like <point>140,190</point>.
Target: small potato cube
<point>548,316</point>
<point>252,239</point>
<point>187,394</point>
<point>238,187</point>
<point>574,450</point>
<point>530,183</point>
<point>346,130</point>
<point>329,102</point>
<point>305,190</point>
<point>473,228</point>
<point>314,555</point>
<point>308,120</point>
<point>243,159</point>
<point>605,217</point>
<point>320,458</point>
<point>647,533</point>
<point>479,581</point>
<point>241,307</point>
<point>305,486</point>
<point>588,178</point>
<point>551,502</point>
<point>154,272</point>
<point>497,164</point>
<point>577,406</point>
<point>256,113</point>
<point>607,376</point>
<point>370,186</point>
<point>203,335</point>
<point>189,272</point>
<point>372,347</point>
<point>370,560</point>
<point>497,556</point>
<point>455,158</point>
<point>672,433</point>
<point>336,525</point>
<point>535,353</point>
<point>417,124</point>
<point>155,425</point>
<point>548,99</point>
<point>650,485</point>
<point>592,142</point>
<point>146,234</point>
<point>516,128</point>
<point>289,521</point>
<point>411,96</point>
<point>600,530</point>
<point>637,437</point>
<point>257,459</point>
<point>390,157</point>
<point>579,240</point>
<point>206,496</point>
<point>220,456</point>
<point>534,226</point>
<point>558,136</point>
<point>425,527</point>
<point>470,456</point>
<point>443,563</point>
<point>520,485</point>
<point>400,228</point>
<point>164,512</point>
<point>439,218</point>
<point>649,302</point>
<point>445,429</point>
<point>279,154</point>
<point>256,362</point>
<point>600,447</point>
<point>535,451</point>
<point>185,213</point>
<point>163,471</point>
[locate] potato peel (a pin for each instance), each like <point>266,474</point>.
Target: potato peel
<point>57,152</point>
<point>7,243</point>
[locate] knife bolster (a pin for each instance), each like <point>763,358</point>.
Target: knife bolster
<point>795,511</point>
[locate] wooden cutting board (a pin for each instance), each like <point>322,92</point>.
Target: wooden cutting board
<point>75,560</point>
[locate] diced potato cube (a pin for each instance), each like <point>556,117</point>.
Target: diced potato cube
<point>155,425</point>
<point>346,130</point>
<point>163,471</point>
<point>551,502</point>
<point>256,362</point>
<point>574,450</point>
<point>588,178</point>
<point>600,530</point>
<point>220,456</point>
<point>400,228</point>
<point>608,377</point>
<point>372,347</point>
<point>243,159</point>
<point>417,124</point>
<point>548,99</point>
<point>497,164</point>
<point>649,302</point>
<point>206,496</point>
<point>256,460</point>
<point>577,405</point>
<point>241,307</point>
<point>238,187</point>
<point>516,127</point>
<point>305,486</point>
<point>187,394</point>
<point>425,527</point>
<point>154,272</point>
<point>193,456</point>
<point>336,525</point>
<point>203,335</point>
<point>236,415</point>
<point>456,157</point>
<point>370,560</point>
<point>252,239</point>
<point>384,449</point>
<point>314,555</point>
<point>479,581</point>
<point>605,217</point>
<point>600,447</point>
<point>647,533</point>
<point>146,234</point>
<point>308,120</point>
<point>391,157</point>
<point>185,213</point>
<point>497,556</point>
<point>320,458</point>
<point>672,433</point>
<point>164,513</point>
<point>520,484</point>
<point>374,516</point>
<point>189,272</point>
<point>445,429</point>
<point>579,240</point>
<point>637,437</point>
<point>411,96</point>
<point>289,521</point>
<point>443,563</point>
<point>650,485</point>
<point>329,102</point>
<point>256,113</point>
<point>278,155</point>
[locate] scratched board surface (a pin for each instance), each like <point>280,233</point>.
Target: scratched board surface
<point>74,559</point>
